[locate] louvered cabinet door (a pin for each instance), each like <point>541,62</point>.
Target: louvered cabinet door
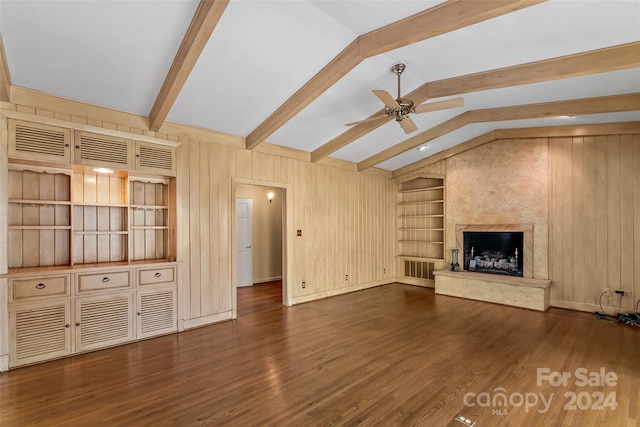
<point>155,158</point>
<point>157,311</point>
<point>39,331</point>
<point>34,141</point>
<point>104,321</point>
<point>92,149</point>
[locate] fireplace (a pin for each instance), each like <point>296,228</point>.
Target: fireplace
<point>500,249</point>
<point>494,252</point>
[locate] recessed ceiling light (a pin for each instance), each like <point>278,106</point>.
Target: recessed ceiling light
<point>565,117</point>
<point>422,148</point>
<point>102,170</point>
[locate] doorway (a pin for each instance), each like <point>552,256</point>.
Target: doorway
<point>259,231</point>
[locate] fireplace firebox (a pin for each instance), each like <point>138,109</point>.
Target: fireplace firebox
<point>494,252</point>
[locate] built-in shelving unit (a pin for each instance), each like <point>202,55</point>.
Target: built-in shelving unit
<point>109,234</point>
<point>421,226</point>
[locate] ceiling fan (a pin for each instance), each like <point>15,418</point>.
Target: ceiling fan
<point>400,108</point>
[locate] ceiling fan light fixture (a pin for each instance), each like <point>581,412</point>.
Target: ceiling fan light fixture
<point>400,108</point>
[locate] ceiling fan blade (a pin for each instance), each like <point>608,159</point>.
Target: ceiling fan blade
<point>370,119</point>
<point>408,125</point>
<point>387,98</point>
<point>439,105</point>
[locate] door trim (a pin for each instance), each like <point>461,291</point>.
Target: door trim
<point>287,238</point>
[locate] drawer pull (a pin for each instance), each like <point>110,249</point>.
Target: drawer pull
<point>40,286</point>
<point>78,324</point>
<point>139,314</point>
<point>67,325</point>
<point>158,274</point>
<point>105,279</point>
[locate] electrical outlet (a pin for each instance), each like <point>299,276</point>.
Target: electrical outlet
<point>384,271</point>
<point>304,285</point>
<point>605,292</point>
<point>346,277</point>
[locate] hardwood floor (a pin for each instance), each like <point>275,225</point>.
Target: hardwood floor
<point>260,297</point>
<point>395,355</point>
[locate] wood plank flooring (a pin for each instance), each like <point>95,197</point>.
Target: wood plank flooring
<point>394,355</point>
<point>260,297</point>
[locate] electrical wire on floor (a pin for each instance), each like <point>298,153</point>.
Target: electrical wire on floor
<point>619,317</point>
<point>632,319</point>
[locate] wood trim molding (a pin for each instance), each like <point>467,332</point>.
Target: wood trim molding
<point>457,149</point>
<point>613,58</point>
<point>619,128</point>
<point>601,104</point>
<point>441,19</point>
<point>202,25</point>
<point>87,128</point>
<point>43,101</point>
<point>5,77</point>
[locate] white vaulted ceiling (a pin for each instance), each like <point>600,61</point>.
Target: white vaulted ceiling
<point>261,52</point>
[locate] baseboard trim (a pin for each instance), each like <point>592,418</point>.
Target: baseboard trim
<point>423,283</point>
<point>341,291</point>
<point>4,363</point>
<point>206,320</point>
<point>591,308</point>
<point>267,280</point>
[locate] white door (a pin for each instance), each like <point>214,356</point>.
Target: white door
<point>244,241</point>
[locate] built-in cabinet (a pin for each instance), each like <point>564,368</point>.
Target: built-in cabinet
<point>91,252</point>
<point>41,142</point>
<point>421,220</point>
<point>104,307</point>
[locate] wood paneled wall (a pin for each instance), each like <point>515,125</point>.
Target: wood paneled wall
<point>581,193</point>
<point>595,219</point>
<point>346,218</point>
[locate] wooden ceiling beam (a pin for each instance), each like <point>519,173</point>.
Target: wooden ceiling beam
<point>5,78</point>
<point>615,58</point>
<point>623,128</point>
<point>441,19</point>
<point>327,77</point>
<point>609,59</point>
<point>202,25</point>
<point>601,104</point>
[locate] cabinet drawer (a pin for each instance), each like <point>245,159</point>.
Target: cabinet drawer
<point>103,281</point>
<point>156,275</point>
<point>35,287</point>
